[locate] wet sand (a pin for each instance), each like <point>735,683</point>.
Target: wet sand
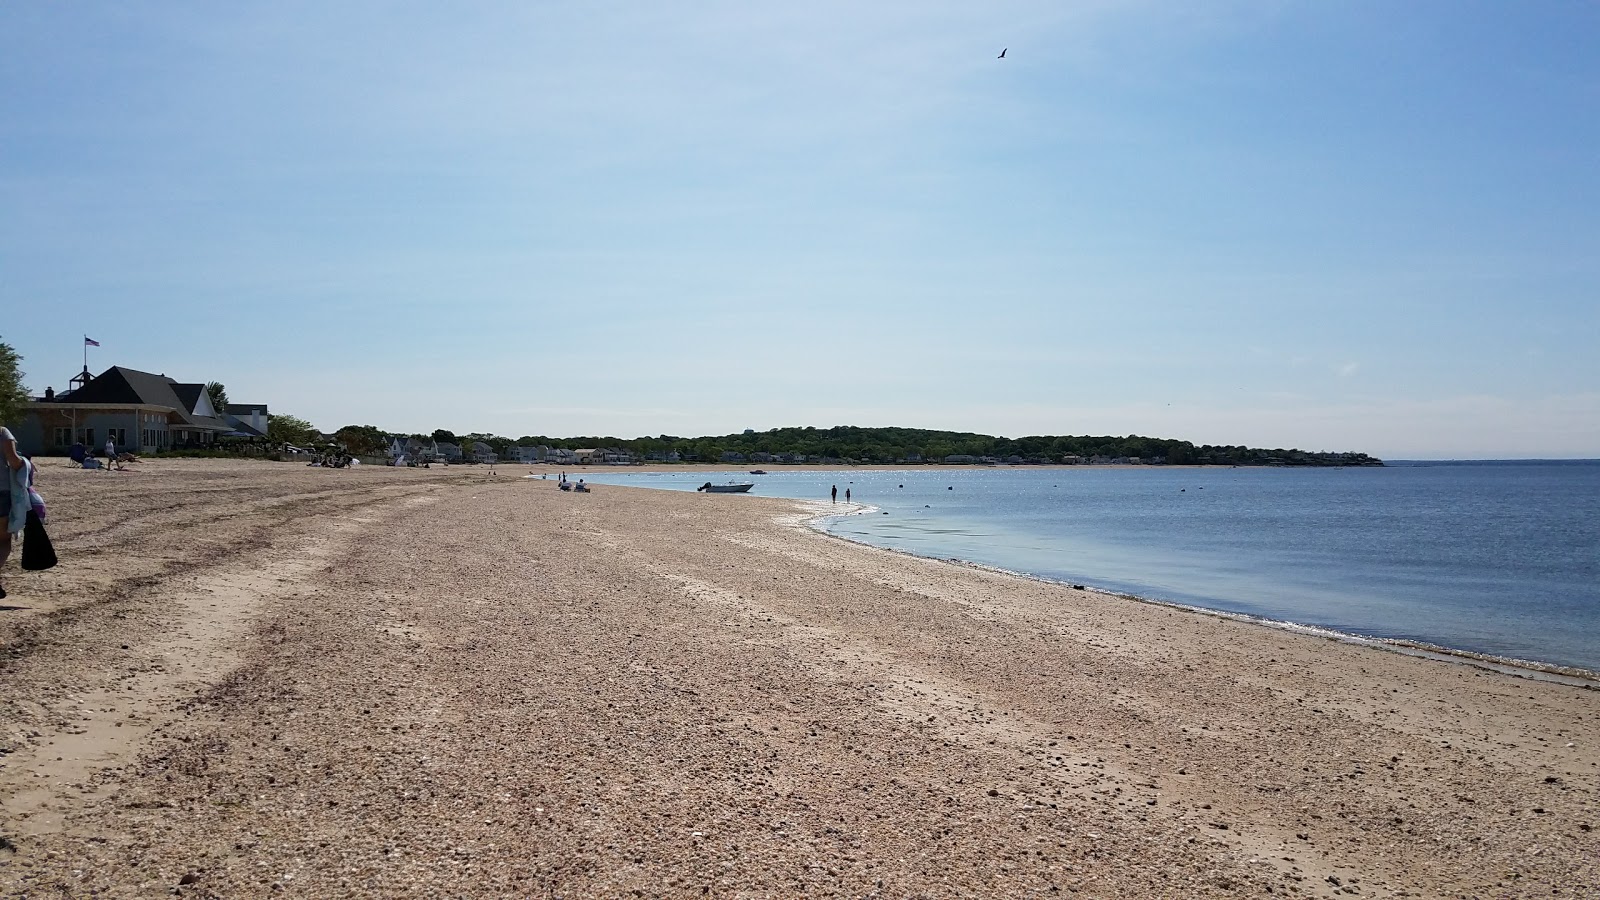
<point>252,679</point>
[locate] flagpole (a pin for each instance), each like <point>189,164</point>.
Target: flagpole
<point>75,408</point>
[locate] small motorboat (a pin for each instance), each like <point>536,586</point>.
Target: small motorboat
<point>758,471</point>
<point>731,487</point>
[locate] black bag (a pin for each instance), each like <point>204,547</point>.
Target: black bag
<point>37,551</point>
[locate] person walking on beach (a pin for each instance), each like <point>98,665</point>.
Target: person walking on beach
<point>847,495</point>
<point>836,493</point>
<point>15,497</point>
<point>111,452</point>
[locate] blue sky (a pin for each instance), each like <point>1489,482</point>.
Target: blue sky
<point>1331,226</point>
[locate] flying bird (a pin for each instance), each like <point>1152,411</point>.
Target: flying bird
<point>1002,54</point>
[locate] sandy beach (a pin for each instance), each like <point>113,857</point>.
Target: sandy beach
<point>258,679</point>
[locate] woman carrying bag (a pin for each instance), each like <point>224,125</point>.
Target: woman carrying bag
<point>17,512</point>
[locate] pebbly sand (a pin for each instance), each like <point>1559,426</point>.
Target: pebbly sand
<point>257,679</point>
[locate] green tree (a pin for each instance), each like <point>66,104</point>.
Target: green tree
<point>444,436</point>
<point>286,429</point>
<point>13,396</point>
<point>218,395</point>
<point>361,440</point>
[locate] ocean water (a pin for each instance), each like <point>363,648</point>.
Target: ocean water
<point>1499,559</point>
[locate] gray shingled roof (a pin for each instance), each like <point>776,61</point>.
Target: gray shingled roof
<point>122,385</point>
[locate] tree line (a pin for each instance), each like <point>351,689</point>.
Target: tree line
<point>848,443</point>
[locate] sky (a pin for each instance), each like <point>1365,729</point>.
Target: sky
<point>1332,226</point>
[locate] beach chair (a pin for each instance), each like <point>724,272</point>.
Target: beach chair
<point>78,453</point>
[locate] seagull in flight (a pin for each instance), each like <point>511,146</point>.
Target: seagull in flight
<point>1002,54</point>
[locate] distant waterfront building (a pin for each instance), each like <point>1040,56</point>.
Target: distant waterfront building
<point>521,453</point>
<point>141,411</point>
<point>247,419</point>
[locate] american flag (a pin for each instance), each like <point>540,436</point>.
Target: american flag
<point>90,342</point>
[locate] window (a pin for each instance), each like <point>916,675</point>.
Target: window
<point>88,436</point>
<point>63,437</point>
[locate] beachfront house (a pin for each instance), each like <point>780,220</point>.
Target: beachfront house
<point>560,456</point>
<point>248,419</point>
<point>449,452</point>
<point>141,411</point>
<point>482,453</point>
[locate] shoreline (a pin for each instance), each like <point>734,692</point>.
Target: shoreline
<point>1573,676</point>
<point>1577,676</point>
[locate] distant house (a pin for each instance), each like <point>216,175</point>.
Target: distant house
<point>247,419</point>
<point>960,459</point>
<point>141,411</point>
<point>561,456</point>
<point>483,453</point>
<point>519,453</point>
<point>732,456</point>
<point>449,452</point>
<point>405,450</point>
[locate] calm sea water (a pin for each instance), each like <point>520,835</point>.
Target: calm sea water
<point>1500,559</point>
